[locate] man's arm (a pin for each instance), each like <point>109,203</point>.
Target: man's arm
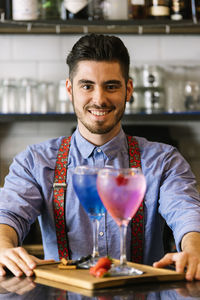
<point>191,245</point>
<point>12,257</point>
<point>189,258</point>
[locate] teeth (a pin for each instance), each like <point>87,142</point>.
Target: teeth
<point>99,113</point>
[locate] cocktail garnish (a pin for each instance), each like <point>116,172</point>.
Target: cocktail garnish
<point>72,264</point>
<point>121,180</point>
<point>102,267</point>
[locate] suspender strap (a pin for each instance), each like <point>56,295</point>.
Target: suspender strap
<point>59,201</point>
<point>59,197</point>
<point>137,224</point>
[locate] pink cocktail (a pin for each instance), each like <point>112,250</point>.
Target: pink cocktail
<point>121,191</point>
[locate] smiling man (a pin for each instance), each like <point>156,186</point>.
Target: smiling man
<point>99,93</point>
<point>99,87</point>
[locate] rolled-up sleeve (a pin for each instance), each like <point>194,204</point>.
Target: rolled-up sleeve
<point>171,196</point>
<point>21,196</point>
<point>179,198</point>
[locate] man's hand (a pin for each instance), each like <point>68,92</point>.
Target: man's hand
<point>15,259</point>
<point>182,260</point>
<point>188,260</point>
<point>18,261</point>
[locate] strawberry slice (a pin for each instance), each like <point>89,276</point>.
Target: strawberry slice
<point>121,180</point>
<point>101,268</point>
<point>103,262</point>
<point>92,271</point>
<point>101,272</point>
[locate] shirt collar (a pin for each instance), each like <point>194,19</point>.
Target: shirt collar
<point>119,142</point>
<point>85,147</point>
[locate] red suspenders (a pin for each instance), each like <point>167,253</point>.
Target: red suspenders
<point>59,197</point>
<point>137,226</point>
<point>59,201</point>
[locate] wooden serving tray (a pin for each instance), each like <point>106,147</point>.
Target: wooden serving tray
<point>82,279</point>
<point>109,292</point>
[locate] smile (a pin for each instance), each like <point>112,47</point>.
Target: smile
<point>99,113</point>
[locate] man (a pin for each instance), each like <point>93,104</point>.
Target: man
<point>99,87</point>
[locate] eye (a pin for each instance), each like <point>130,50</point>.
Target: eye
<point>112,87</point>
<point>87,87</point>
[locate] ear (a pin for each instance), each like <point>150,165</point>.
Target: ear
<point>129,90</point>
<point>69,88</point>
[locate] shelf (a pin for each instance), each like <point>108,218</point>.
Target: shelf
<point>110,27</point>
<point>163,117</point>
<point>145,118</point>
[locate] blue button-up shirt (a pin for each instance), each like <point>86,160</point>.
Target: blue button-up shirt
<point>171,194</point>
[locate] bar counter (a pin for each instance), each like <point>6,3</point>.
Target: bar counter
<point>13,288</point>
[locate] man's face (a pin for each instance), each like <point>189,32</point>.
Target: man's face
<point>99,95</point>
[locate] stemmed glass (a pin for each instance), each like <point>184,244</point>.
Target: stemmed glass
<point>122,191</point>
<point>84,183</point>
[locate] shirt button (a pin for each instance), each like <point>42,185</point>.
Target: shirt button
<point>101,233</point>
<point>99,150</point>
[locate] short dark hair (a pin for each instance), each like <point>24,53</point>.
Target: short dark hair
<point>99,47</point>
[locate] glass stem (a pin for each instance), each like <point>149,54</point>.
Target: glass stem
<point>95,225</point>
<point>123,231</point>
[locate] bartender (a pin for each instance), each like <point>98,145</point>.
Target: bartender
<point>99,87</point>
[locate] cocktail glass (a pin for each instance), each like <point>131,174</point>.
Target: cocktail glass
<point>84,183</point>
<point>122,191</point>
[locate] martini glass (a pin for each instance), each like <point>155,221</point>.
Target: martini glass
<point>84,182</point>
<point>122,191</point>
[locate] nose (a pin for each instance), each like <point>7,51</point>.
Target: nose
<point>99,96</point>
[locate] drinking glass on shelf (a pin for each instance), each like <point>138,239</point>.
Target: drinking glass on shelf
<point>191,95</point>
<point>63,104</point>
<point>174,86</point>
<point>9,96</point>
<point>84,183</point>
<point>43,97</point>
<point>29,98</point>
<point>122,191</point>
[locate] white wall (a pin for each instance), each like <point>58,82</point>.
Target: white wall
<point>43,57</point>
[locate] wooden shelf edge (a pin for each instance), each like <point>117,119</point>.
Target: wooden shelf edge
<point>112,27</point>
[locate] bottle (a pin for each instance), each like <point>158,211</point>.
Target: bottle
<point>159,9</point>
<point>95,10</point>
<point>76,9</point>
<point>137,9</point>
<point>115,9</point>
<point>50,9</point>
<point>198,9</point>
<point>177,10</point>
<point>2,7</point>
<point>25,10</point>
<point>8,9</point>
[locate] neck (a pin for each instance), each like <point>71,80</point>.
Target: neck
<point>98,139</point>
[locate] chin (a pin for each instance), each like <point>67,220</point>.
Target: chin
<point>100,130</point>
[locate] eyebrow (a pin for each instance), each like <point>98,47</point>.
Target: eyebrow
<point>118,82</point>
<point>85,81</point>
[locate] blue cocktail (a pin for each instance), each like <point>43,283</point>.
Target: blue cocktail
<point>84,183</point>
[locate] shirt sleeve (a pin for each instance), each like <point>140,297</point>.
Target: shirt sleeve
<point>179,199</point>
<point>21,197</point>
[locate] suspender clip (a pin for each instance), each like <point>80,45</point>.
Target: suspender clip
<point>59,185</point>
